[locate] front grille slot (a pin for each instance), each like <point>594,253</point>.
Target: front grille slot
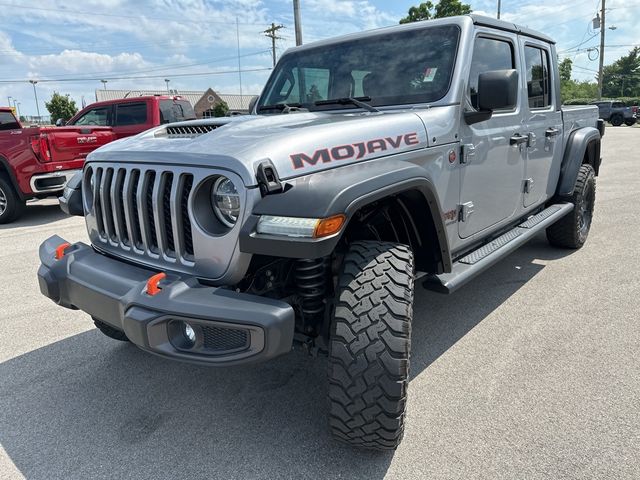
<point>144,210</point>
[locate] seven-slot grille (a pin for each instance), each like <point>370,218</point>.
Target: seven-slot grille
<point>143,210</point>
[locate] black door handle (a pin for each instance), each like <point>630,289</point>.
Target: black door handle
<point>518,139</point>
<point>551,132</point>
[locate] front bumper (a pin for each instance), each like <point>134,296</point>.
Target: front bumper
<point>253,328</point>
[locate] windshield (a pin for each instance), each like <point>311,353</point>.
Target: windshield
<point>413,66</point>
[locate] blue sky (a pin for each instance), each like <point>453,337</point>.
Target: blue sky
<point>158,39</point>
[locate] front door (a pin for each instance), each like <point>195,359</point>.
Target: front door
<point>544,124</point>
<point>491,177</point>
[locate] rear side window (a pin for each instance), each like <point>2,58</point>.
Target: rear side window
<point>538,77</point>
<point>176,111</point>
<point>131,114</point>
<point>488,54</point>
<point>8,121</point>
<point>618,105</point>
<point>96,116</point>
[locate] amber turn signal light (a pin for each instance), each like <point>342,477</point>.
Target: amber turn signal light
<point>329,226</point>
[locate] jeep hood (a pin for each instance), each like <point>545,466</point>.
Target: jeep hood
<point>297,144</point>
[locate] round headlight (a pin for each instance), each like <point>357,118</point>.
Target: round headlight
<point>226,201</point>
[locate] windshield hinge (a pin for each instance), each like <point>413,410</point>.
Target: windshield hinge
<point>268,179</point>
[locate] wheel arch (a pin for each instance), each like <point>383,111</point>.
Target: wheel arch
<point>9,174</point>
<point>352,190</point>
<point>583,146</point>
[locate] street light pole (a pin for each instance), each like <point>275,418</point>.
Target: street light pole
<point>18,108</point>
<point>35,94</point>
<point>104,83</point>
<point>166,80</point>
<point>9,100</point>
<point>498,9</point>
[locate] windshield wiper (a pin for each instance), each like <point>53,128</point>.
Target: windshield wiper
<point>279,106</point>
<point>357,101</point>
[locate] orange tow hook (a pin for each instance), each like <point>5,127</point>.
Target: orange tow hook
<point>60,250</point>
<point>153,287</point>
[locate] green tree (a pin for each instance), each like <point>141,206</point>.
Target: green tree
<point>565,69</point>
<point>221,109</point>
<point>61,106</point>
<point>622,77</point>
<point>444,8</point>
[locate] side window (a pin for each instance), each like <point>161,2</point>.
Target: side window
<point>538,77</point>
<point>96,116</point>
<point>488,54</point>
<point>131,114</point>
<point>618,105</point>
<point>8,121</point>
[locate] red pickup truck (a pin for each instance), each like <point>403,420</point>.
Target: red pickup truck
<point>37,162</point>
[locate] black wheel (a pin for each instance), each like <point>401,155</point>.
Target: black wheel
<point>616,120</point>
<point>109,331</point>
<point>370,344</point>
<point>630,122</point>
<point>11,206</point>
<point>571,231</point>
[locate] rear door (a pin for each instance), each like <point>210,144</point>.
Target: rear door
<point>131,118</point>
<point>491,177</point>
<point>543,119</point>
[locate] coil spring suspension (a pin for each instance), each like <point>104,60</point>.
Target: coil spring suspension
<point>311,283</point>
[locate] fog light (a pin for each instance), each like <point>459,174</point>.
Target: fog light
<point>189,333</point>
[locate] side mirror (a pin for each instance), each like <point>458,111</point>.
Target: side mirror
<point>497,90</point>
<point>59,123</point>
<point>252,104</point>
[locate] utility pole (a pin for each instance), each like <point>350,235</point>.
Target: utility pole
<point>298,23</point>
<point>271,33</point>
<point>498,9</point>
<point>601,66</point>
<point>33,82</point>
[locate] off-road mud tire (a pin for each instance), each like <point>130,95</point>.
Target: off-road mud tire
<point>571,231</point>
<point>370,344</point>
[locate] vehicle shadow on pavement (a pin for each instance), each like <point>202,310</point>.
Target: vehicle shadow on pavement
<point>37,214</point>
<point>90,407</point>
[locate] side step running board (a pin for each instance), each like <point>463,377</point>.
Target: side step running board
<point>477,261</point>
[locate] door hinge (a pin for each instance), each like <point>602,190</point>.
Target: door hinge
<point>528,185</point>
<point>467,152</point>
<point>464,210</point>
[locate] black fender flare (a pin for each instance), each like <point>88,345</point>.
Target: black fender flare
<point>339,191</point>
<point>575,150</point>
<point>6,166</point>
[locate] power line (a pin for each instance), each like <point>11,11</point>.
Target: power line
<point>96,79</point>
<point>117,15</point>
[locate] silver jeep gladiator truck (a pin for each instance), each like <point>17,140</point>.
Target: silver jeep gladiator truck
<point>418,154</point>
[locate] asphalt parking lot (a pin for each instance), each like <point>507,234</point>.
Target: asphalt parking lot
<point>531,371</point>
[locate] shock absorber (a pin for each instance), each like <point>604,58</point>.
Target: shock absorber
<point>311,284</point>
